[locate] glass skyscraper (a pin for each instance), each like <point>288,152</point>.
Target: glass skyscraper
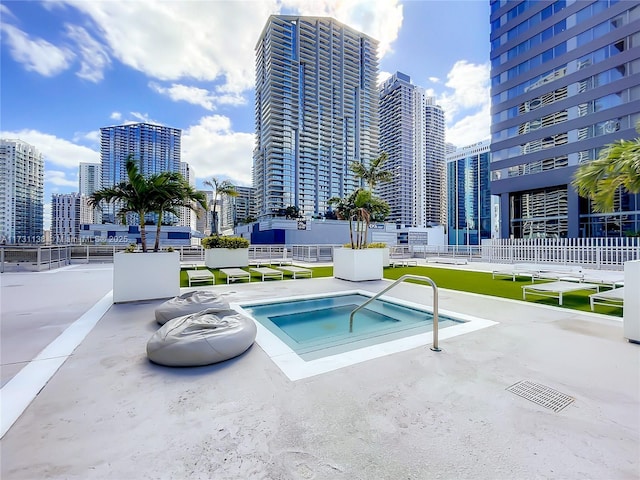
<point>316,111</point>
<point>412,133</point>
<point>469,198</point>
<point>565,81</point>
<point>156,149</point>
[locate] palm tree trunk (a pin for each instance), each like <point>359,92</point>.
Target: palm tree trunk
<point>156,245</point>
<point>143,232</point>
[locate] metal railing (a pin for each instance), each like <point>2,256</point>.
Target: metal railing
<point>434,347</point>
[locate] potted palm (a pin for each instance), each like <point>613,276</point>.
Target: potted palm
<point>225,252</point>
<point>357,262</point>
<point>154,274</point>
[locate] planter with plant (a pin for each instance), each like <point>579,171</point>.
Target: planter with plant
<point>225,252</point>
<point>356,261</point>
<point>147,275</point>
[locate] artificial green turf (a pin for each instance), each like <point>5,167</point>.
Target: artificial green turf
<point>484,284</point>
<point>453,279</point>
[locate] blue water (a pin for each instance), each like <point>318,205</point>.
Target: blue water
<point>323,323</point>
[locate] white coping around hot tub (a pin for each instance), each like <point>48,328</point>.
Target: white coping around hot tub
<point>295,368</point>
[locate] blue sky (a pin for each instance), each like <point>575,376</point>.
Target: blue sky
<point>71,67</point>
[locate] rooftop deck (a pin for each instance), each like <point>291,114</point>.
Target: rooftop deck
<point>109,413</point>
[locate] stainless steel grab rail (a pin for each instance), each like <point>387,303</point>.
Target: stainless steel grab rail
<point>434,347</point>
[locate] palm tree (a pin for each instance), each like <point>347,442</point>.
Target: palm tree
<point>361,206</point>
<point>175,192</point>
<point>617,166</point>
<point>158,193</point>
<point>220,188</point>
<point>135,195</point>
<point>374,174</point>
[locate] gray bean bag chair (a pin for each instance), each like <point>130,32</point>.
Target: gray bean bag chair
<point>190,302</point>
<point>202,338</point>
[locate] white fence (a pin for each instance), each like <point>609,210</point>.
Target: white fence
<point>595,253</point>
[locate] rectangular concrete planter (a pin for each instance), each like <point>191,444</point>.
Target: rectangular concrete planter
<point>145,276</point>
<point>358,265</point>
<point>226,257</point>
<point>631,307</point>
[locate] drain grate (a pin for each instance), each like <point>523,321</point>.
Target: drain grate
<point>545,396</point>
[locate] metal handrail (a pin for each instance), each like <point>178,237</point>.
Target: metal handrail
<point>434,347</point>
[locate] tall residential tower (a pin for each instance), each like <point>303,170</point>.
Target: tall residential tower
<point>156,148</point>
<point>565,81</point>
<point>316,111</point>
<point>412,132</point>
<point>21,192</point>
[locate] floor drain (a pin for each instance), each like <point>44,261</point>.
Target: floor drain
<point>545,396</point>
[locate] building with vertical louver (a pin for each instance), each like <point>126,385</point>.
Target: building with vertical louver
<point>21,192</point>
<point>565,81</point>
<point>156,149</point>
<point>316,112</point>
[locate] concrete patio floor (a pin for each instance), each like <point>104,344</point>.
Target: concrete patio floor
<point>418,414</point>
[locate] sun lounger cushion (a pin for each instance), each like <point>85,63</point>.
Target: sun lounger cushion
<point>187,303</point>
<point>202,338</point>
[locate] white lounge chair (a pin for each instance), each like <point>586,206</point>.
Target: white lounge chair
<point>556,289</point>
<point>200,276</point>
<point>267,272</point>
<point>609,298</point>
<point>233,274</point>
<point>297,271</point>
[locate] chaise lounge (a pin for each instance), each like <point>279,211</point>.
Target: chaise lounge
<point>610,298</point>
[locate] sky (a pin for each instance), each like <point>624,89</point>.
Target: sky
<point>70,67</point>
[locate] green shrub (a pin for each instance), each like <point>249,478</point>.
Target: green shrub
<point>377,245</point>
<point>216,241</point>
<point>131,248</point>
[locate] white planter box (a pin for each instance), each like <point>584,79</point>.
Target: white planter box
<point>358,265</point>
<point>145,276</point>
<point>385,257</point>
<point>632,301</point>
<point>226,257</point>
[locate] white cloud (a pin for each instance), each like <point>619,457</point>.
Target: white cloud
<point>93,56</point>
<point>57,151</point>
<point>471,128</point>
<point>171,41</point>
<point>212,148</point>
<point>141,117</point>
<point>36,55</point>
<point>57,177</point>
<point>466,102</point>
<point>197,96</point>
<point>115,116</point>
<point>380,19</point>
<point>434,79</point>
<point>383,76</point>
<point>470,87</point>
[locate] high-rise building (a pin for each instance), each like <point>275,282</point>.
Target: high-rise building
<point>469,198</point>
<point>156,148</point>
<point>316,107</point>
<point>188,216</point>
<point>88,182</point>
<point>412,130</point>
<point>68,212</point>
<point>204,218</point>
<point>565,81</point>
<point>21,192</point>
<point>244,204</point>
